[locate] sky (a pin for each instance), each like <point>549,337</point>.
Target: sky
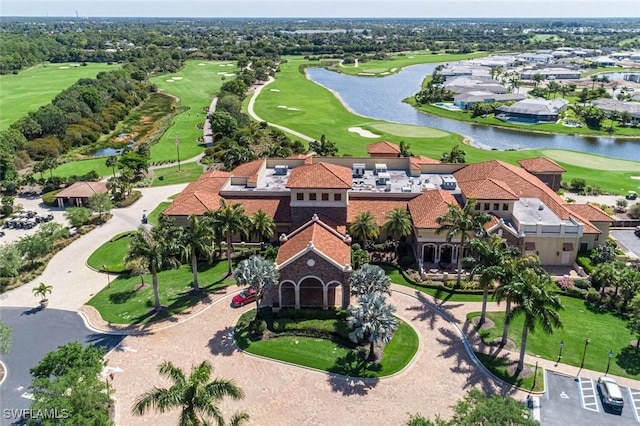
<point>324,8</point>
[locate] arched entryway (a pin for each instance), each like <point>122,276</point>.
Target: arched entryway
<point>311,292</point>
<point>288,294</point>
<point>446,253</point>
<point>429,253</point>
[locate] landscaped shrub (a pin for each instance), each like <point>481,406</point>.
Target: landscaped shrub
<point>50,198</point>
<point>583,284</point>
<point>592,295</point>
<point>585,261</point>
<point>131,198</point>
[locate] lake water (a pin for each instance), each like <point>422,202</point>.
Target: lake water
<point>381,98</point>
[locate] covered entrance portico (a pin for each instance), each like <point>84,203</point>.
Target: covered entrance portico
<point>310,292</point>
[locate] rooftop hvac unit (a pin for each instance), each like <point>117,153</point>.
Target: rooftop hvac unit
<point>381,168</point>
<point>358,169</point>
<point>281,170</point>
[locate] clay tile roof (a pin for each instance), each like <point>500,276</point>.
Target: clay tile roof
<point>275,207</point>
<point>248,169</point>
<point>200,195</point>
<point>489,189</point>
<point>83,190</point>
<point>418,160</point>
<point>429,205</point>
<point>383,147</point>
<point>326,241</point>
<point>308,159</point>
<point>378,208</point>
<point>590,212</point>
<point>320,175</point>
<point>523,184</point>
<point>540,165</point>
<point>493,222</point>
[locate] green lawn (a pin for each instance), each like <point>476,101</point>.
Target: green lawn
<point>37,86</point>
<point>155,214</point>
<point>401,60</point>
<point>319,112</point>
<point>606,331</point>
<point>316,111</point>
<point>82,167</point>
<point>498,366</point>
<point>327,355</point>
<point>171,175</point>
<point>195,85</point>
<point>123,303</point>
<point>111,254</point>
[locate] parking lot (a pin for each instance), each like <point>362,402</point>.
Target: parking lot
<point>628,238</point>
<point>27,221</point>
<point>576,401</point>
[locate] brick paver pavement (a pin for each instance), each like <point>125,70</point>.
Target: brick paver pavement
<point>277,393</point>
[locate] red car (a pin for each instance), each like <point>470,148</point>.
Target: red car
<point>246,296</point>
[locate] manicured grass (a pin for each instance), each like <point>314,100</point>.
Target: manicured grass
<point>320,112</point>
<point>123,303</point>
<point>324,354</point>
<point>590,161</point>
<point>37,86</point>
<point>155,214</point>
<point>441,293</point>
<point>111,254</point>
<point>606,331</point>
<point>498,366</point>
<point>401,60</point>
<point>82,167</point>
<point>544,128</point>
<point>171,175</point>
<point>195,87</point>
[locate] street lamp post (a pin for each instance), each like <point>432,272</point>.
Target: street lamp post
<point>609,363</point>
<point>560,354</point>
<point>584,353</point>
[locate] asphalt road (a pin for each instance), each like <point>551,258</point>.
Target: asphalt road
<point>628,238</point>
<point>36,333</point>
<point>569,402</point>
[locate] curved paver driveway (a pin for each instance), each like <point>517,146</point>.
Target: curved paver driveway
<point>282,394</point>
<point>74,283</point>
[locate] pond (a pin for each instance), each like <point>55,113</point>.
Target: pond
<point>381,98</point>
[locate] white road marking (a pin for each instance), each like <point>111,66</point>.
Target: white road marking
<point>588,395</point>
<point>27,395</point>
<point>634,397</point>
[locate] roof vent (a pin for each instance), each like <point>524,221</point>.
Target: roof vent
<point>541,206</point>
<point>281,170</point>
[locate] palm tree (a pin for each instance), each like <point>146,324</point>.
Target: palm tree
<point>372,321</point>
<point>398,224</point>
<point>456,156</point>
<point>508,291</point>
<point>158,252</point>
<point>364,227</point>
<point>41,291</point>
<point>195,240</point>
<point>606,274</point>
<point>259,274</point>
<point>369,279</point>
<point>491,256</point>
<point>139,267</point>
<point>228,220</point>
<point>196,396</point>
<point>262,225</point>
<point>112,161</point>
<point>537,304</point>
<point>461,221</point>
<point>629,284</point>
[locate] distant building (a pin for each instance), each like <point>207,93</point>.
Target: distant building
<point>533,111</point>
<point>78,194</point>
<point>551,74</point>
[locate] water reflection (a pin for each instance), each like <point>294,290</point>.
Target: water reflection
<point>381,98</point>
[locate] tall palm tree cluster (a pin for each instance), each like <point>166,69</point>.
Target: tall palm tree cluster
<point>372,319</point>
<point>166,246</point>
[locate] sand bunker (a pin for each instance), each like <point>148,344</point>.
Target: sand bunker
<point>288,108</point>
<point>362,132</point>
<point>202,65</point>
<point>169,81</point>
<point>274,90</point>
<point>177,78</point>
<point>366,73</point>
<point>394,69</point>
<point>635,177</point>
<point>64,68</point>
